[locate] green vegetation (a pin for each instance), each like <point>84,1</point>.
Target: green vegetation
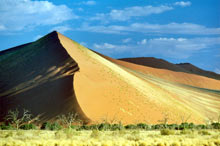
<point>16,120</point>
<point>68,130</point>
<point>167,132</point>
<point>109,127</point>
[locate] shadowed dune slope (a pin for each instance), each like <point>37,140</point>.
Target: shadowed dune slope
<point>163,64</point>
<point>109,90</point>
<point>39,77</point>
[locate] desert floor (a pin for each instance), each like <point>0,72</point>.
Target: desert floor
<point>109,138</point>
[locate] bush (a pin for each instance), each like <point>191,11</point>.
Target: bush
<point>130,126</point>
<point>69,119</point>
<point>28,126</point>
<point>51,126</point>
<point>117,127</point>
<point>143,126</point>
<point>184,131</point>
<point>46,126</point>
<point>95,134</point>
<point>85,127</point>
<point>204,132</point>
<point>56,126</point>
<point>167,132</point>
<point>159,126</point>
<point>201,127</point>
<point>104,126</point>
<point>216,125</point>
<point>6,127</point>
<point>16,119</point>
<point>173,126</point>
<point>76,127</point>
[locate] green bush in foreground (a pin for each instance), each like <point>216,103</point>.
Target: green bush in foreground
<point>51,126</point>
<point>28,127</point>
<point>167,132</point>
<point>215,125</point>
<point>6,127</point>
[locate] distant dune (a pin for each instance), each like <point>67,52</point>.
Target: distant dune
<point>163,64</point>
<point>55,75</point>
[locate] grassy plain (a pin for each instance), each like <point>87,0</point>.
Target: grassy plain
<point>70,137</point>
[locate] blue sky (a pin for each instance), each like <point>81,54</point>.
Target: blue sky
<point>174,30</point>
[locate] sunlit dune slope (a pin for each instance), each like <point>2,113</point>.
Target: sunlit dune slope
<point>108,90</point>
<point>38,77</point>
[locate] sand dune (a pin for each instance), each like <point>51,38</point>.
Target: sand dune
<point>163,64</point>
<point>56,75</point>
<point>178,77</point>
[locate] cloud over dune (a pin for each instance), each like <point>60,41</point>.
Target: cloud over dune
<point>25,14</point>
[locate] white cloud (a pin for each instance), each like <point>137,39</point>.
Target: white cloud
<point>128,13</point>
<point>171,28</point>
<point>61,29</point>
<point>84,44</point>
<point>80,9</point>
<point>37,37</point>
<point>101,29</point>
<point>2,27</point>
<point>168,47</point>
<point>107,48</point>
<point>104,46</point>
<point>217,70</point>
<point>25,14</point>
<point>90,3</point>
<point>142,42</point>
<point>183,4</point>
<point>127,40</point>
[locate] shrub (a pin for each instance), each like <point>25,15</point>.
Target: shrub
<point>104,126</point>
<point>14,118</point>
<point>216,125</point>
<point>143,126</point>
<point>51,126</point>
<point>167,132</point>
<point>85,127</point>
<point>204,132</point>
<point>201,127</point>
<point>117,127</point>
<point>55,126</point>
<point>28,126</point>
<point>46,126</point>
<point>69,119</point>
<point>184,126</point>
<point>159,126</point>
<point>173,126</point>
<point>184,131</point>
<point>95,134</point>
<point>76,127</point>
<point>130,126</point>
<point>6,127</point>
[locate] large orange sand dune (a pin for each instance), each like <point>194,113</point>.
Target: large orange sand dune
<point>103,88</point>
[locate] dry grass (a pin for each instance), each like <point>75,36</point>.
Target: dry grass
<point>106,138</point>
